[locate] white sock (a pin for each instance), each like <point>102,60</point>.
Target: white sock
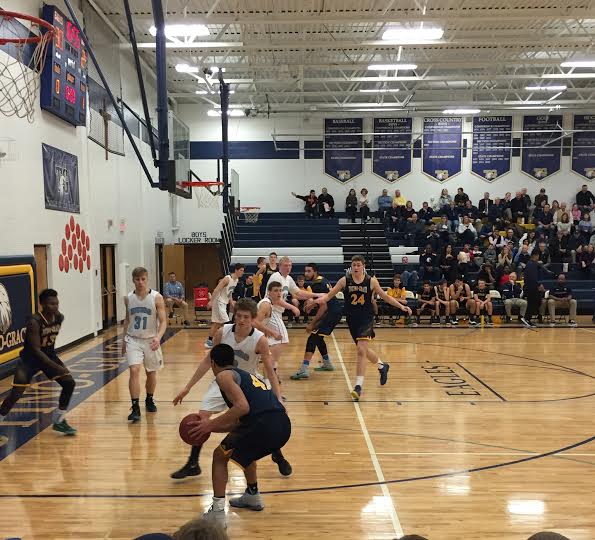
<point>218,503</point>
<point>2,418</point>
<point>58,415</point>
<point>359,380</point>
<point>379,364</point>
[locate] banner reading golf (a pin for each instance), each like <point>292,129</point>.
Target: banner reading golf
<point>542,150</point>
<point>442,147</point>
<point>343,148</point>
<point>583,146</point>
<point>391,153</point>
<point>492,146</point>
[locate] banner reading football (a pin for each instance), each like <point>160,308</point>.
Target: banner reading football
<point>542,150</point>
<point>583,146</point>
<point>391,153</point>
<point>492,146</point>
<point>343,148</point>
<point>442,147</point>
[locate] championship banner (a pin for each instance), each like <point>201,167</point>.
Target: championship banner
<point>17,303</point>
<point>343,148</point>
<point>442,147</point>
<point>391,151</point>
<point>583,146</point>
<point>60,180</point>
<point>542,150</point>
<point>492,146</point>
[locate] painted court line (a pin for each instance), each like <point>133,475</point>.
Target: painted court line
<point>379,474</point>
<point>471,454</point>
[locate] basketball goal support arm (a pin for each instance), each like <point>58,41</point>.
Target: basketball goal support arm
<point>87,44</point>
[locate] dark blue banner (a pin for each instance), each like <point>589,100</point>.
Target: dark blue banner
<point>542,150</point>
<point>343,144</point>
<point>442,147</point>
<point>391,153</point>
<point>583,146</point>
<point>492,146</point>
<point>60,180</point>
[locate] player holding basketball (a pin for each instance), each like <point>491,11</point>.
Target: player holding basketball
<point>360,289</point>
<point>257,424</point>
<point>249,345</point>
<point>323,324</point>
<point>38,354</point>
<point>221,298</point>
<point>145,325</point>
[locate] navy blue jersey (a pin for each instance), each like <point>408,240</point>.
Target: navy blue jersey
<point>258,396</point>
<point>48,332</point>
<point>358,297</point>
<point>322,285</point>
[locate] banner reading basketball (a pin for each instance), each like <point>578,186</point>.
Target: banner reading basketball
<point>492,146</point>
<point>343,148</point>
<point>583,146</point>
<point>542,145</point>
<point>442,147</point>
<point>61,180</point>
<point>391,154</point>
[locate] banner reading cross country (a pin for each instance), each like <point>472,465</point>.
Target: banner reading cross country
<point>343,148</point>
<point>391,153</point>
<point>542,145</point>
<point>492,146</point>
<point>442,147</point>
<point>583,146</point>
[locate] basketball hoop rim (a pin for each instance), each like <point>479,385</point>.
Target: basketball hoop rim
<point>44,25</point>
<point>201,184</point>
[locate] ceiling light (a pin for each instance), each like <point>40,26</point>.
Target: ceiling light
<point>185,68</point>
<point>213,112</point>
<point>388,67</point>
<point>235,112</point>
<point>378,90</point>
<point>552,88</point>
<point>569,76</point>
<point>461,111</point>
<point>412,35</point>
<point>182,31</point>
<point>578,64</point>
<point>201,92</point>
<point>376,110</point>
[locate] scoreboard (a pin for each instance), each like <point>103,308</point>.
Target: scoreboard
<point>64,76</point>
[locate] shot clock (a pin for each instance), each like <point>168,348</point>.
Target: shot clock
<point>64,78</point>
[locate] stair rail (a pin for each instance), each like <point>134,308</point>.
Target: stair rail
<point>367,247</point>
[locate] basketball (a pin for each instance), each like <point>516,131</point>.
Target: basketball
<point>187,424</point>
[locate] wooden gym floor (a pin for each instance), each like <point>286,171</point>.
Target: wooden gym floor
<point>479,434</point>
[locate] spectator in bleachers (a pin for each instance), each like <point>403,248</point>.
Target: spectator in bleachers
<point>408,211</point>
<point>385,202</point>
<point>556,211</point>
<point>398,199</point>
<point>464,260</point>
<point>326,204</point>
<point>428,265</point>
<point>443,230</point>
<point>466,231</point>
<point>564,226</point>
<point>425,214</point>
<point>473,213</point>
<point>506,202</point>
<point>173,293</point>
<point>518,208</point>
<point>547,536</point>
<point>510,240</point>
<point>486,273</point>
<point>585,260</point>
<point>409,278</point>
<point>452,216</point>
<point>487,231</point>
<point>490,255</point>
<point>413,231</point>
<point>495,239</point>
<point>545,221</point>
<point>511,293</point>
<point>545,259</point>
<point>585,226</point>
<point>448,264</point>
<point>540,198</point>
<point>496,213</point>
<point>502,275</point>
<point>575,245</point>
<point>364,208</point>
<point>585,199</point>
<point>461,197</point>
<point>351,205</point>
<point>561,297</point>
<point>531,238</point>
<point>522,257</point>
<point>443,201</point>
<point>505,257</point>
<point>433,238</point>
<point>393,221</point>
<point>311,203</point>
<point>528,202</point>
<point>485,204</point>
<point>577,214</point>
<point>244,288</point>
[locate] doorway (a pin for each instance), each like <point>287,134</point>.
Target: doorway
<point>40,253</point>
<point>108,285</point>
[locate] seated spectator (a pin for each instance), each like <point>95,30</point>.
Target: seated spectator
<point>506,202</point>
<point>472,213</point>
<point>408,211</point>
<point>244,288</point>
<point>485,204</point>
<point>575,243</point>
<point>364,208</point>
<point>466,231</point>
<point>173,293</point>
<point>460,296</point>
<point>545,221</point>
<point>448,264</point>
<point>495,239</point>
<point>385,202</point>
<point>482,301</point>
<point>486,274</point>
<point>496,213</point>
<point>394,218</point>
<point>443,230</point>
<point>540,198</point>
<point>518,208</point>
<point>544,260</point>
<point>425,214</point>
<point>398,199</point>
<point>452,216</point>
<point>409,278</point>
<point>443,201</point>
<point>426,302</point>
<point>351,205</point>
<point>413,231</point>
<point>585,226</point>
<point>577,214</point>
<point>490,255</point>
<point>428,265</point>
<point>505,257</point>
<point>556,211</point>
<point>547,536</point>
<point>528,202</point>
<point>564,226</point>
<point>561,297</point>
<point>311,203</point>
<point>511,293</point>
<point>326,204</point>
<point>433,238</point>
<point>559,251</point>
<point>585,260</point>
<point>461,197</point>
<point>464,260</point>
<point>502,275</point>
<point>510,240</point>
<point>585,199</point>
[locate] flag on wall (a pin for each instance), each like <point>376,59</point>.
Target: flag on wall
<point>60,180</point>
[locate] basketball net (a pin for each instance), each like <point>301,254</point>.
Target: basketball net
<point>21,64</point>
<point>207,196</point>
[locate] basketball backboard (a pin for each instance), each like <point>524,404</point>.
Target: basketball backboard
<point>179,156</point>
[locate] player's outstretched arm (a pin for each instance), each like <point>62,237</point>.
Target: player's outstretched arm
<point>388,299</point>
<point>262,348</point>
<point>339,286</point>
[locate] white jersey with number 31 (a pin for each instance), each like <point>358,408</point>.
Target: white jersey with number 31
<point>142,314</point>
